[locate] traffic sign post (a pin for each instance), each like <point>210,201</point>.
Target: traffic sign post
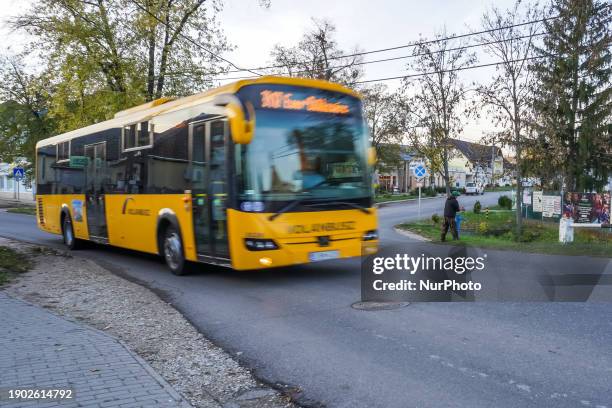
<point>419,201</point>
<point>420,171</point>
<point>18,174</point>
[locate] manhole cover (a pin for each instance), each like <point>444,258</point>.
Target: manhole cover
<point>372,306</point>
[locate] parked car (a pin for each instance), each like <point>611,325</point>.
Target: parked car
<point>473,188</point>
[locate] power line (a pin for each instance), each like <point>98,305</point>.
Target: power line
<point>492,64</point>
<point>192,41</point>
<point>252,70</point>
<point>413,44</point>
<point>372,61</point>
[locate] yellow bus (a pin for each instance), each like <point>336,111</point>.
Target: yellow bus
<point>255,174</point>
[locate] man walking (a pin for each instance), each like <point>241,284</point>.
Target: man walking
<point>451,207</point>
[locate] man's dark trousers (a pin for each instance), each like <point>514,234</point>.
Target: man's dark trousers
<point>449,222</point>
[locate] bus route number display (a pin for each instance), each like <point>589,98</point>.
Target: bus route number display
<point>284,100</point>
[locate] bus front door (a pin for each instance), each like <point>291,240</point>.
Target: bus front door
<point>209,188</point>
<point>94,193</point>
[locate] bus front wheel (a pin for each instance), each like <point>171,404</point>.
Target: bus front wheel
<point>173,251</point>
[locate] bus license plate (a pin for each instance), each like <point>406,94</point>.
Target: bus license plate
<point>323,256</point>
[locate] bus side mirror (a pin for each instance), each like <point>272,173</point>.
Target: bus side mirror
<point>371,156</point>
<point>242,124</point>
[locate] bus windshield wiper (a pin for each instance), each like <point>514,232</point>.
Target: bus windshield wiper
<point>286,208</point>
<point>297,201</point>
<point>348,204</point>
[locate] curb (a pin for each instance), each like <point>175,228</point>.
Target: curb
<point>412,235</point>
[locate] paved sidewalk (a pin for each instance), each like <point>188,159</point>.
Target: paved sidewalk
<point>39,350</point>
<point>7,200</point>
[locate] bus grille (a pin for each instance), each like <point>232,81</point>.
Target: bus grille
<point>41,216</point>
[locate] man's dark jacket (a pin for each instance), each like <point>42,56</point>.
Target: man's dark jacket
<point>451,207</point>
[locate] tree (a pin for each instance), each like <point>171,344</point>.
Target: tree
<point>508,95</point>
<point>572,92</point>
<point>107,55</point>
<point>426,142</point>
<point>24,116</point>
<point>438,98</point>
<point>318,56</point>
<point>174,63</point>
<point>383,113</point>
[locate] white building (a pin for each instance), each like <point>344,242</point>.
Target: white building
<point>475,162</point>
<point>470,162</point>
<point>8,183</point>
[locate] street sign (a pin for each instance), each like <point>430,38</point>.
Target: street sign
<point>420,171</point>
<point>18,173</point>
<point>415,163</point>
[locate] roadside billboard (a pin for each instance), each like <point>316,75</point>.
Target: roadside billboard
<point>551,206</point>
<point>537,201</point>
<point>544,204</point>
<point>587,207</point>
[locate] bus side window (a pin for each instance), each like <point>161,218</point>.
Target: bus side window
<point>129,137</point>
<point>144,134</point>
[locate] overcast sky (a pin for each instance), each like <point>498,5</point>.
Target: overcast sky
<point>369,25</point>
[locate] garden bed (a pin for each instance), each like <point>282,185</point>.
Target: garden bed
<point>497,230</point>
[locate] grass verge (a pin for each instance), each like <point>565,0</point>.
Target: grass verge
<point>12,263</point>
<point>22,210</point>
<point>497,231</point>
<point>383,198</point>
<point>504,188</point>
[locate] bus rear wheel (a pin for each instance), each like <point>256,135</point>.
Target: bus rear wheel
<point>68,234</point>
<point>173,251</point>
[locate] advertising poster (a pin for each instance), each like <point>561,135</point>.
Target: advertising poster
<point>551,205</point>
<point>77,210</point>
<point>537,201</point>
<point>587,207</point>
<point>526,197</point>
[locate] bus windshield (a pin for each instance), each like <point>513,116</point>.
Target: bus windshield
<point>308,144</point>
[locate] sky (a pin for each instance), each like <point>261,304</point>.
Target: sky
<point>369,25</point>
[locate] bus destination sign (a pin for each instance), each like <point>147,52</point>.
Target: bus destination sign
<point>284,100</point>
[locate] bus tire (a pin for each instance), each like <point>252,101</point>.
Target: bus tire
<point>172,247</point>
<point>68,233</point>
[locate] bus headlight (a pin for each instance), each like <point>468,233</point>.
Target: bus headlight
<point>370,235</point>
<point>258,244</point>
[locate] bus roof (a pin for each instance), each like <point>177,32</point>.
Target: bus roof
<point>154,108</point>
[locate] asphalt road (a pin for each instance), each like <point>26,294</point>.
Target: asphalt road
<point>295,327</point>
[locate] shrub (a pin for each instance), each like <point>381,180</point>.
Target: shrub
<point>430,192</point>
<point>483,228</point>
<point>529,236</point>
<point>477,207</point>
<point>435,218</point>
<point>505,202</point>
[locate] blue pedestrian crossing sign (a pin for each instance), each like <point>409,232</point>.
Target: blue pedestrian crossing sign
<point>420,171</point>
<point>18,173</point>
